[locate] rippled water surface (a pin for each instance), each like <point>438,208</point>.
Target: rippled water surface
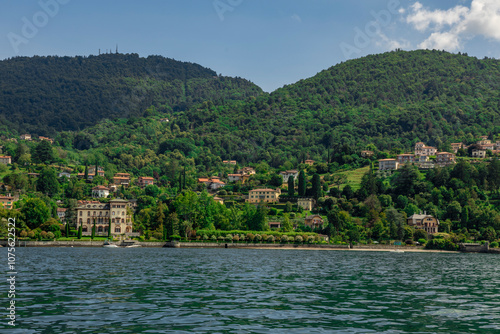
<point>99,290</point>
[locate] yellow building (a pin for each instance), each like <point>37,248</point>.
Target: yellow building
<point>7,202</point>
<point>264,195</point>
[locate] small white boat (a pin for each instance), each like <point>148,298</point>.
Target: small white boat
<point>397,251</point>
<point>108,244</point>
<point>132,246</point>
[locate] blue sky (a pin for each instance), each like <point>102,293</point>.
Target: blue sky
<point>270,42</point>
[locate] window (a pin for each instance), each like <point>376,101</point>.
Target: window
<point>118,229</point>
<point>88,220</point>
<point>81,213</point>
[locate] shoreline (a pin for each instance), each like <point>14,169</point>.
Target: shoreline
<point>329,247</point>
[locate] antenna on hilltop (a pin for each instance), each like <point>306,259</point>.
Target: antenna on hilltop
<point>99,51</point>
<point>116,48</point>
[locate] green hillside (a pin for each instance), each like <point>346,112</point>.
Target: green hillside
<point>43,95</point>
<point>391,100</point>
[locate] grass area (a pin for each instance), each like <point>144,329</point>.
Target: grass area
<point>353,177</point>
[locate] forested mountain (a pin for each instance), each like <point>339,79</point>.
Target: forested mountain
<point>43,95</point>
<point>390,100</point>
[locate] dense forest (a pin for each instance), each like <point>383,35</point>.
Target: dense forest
<point>385,103</point>
<point>43,95</point>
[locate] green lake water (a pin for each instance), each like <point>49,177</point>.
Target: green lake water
<point>139,290</point>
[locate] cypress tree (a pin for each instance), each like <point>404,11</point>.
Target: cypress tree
<point>86,172</point>
<point>302,183</point>
<point>316,187</point>
<point>80,232</point>
<point>291,186</point>
<point>67,229</point>
<point>93,231</point>
<point>109,230</point>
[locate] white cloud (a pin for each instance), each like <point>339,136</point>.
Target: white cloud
<point>441,40</point>
<point>450,27</point>
<point>422,19</point>
<point>297,18</point>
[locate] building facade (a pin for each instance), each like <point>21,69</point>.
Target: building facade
<point>387,164</point>
<point>100,192</point>
<point>7,202</point>
<point>264,195</point>
<point>286,174</point>
<point>314,221</point>
<point>113,214</point>
<point>5,159</point>
<point>144,181</point>
<point>421,149</point>
<point>424,222</point>
<point>306,203</point>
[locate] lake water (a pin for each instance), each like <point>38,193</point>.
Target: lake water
<point>99,290</point>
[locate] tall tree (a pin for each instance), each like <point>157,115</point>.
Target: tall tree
<point>302,183</point>
<point>92,236</point>
<point>86,175</point>
<point>43,152</point>
<point>47,181</point>
<point>287,224</point>
<point>291,186</point>
<point>35,212</point>
<point>316,187</point>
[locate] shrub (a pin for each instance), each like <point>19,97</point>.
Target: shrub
<point>23,234</point>
<point>204,237</point>
<point>50,235</point>
<point>442,244</point>
<point>258,237</point>
<point>213,238</point>
<point>250,237</point>
<point>43,235</point>
<point>242,237</point>
<point>229,237</point>
<point>220,238</point>
<point>284,239</point>
<point>270,238</point>
<point>236,238</point>
<point>298,239</point>
<point>422,241</point>
<point>157,235</point>
<point>494,244</point>
<point>31,234</point>
<point>175,238</point>
<point>310,239</point>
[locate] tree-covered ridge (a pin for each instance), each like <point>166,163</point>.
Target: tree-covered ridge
<point>390,100</point>
<point>47,94</point>
<point>426,94</point>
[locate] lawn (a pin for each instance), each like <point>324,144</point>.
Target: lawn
<point>353,177</point>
